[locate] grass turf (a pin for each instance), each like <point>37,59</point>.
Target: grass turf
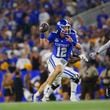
<point>81,105</point>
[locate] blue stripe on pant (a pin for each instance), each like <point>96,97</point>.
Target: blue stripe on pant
<point>52,62</point>
<point>69,73</point>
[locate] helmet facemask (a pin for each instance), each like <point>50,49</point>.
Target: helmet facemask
<point>66,29</point>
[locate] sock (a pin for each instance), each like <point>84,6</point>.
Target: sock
<point>37,94</point>
<point>73,89</point>
<point>48,90</point>
<point>47,94</point>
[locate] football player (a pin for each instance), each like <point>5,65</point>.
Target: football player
<point>63,40</point>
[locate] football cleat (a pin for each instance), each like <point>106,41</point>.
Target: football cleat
<point>45,99</point>
<point>28,95</point>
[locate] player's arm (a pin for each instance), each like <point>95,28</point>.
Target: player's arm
<point>74,58</point>
<point>75,42</point>
<point>44,27</point>
<point>104,47</point>
<point>78,46</point>
<point>43,40</point>
<point>82,56</point>
<point>100,50</point>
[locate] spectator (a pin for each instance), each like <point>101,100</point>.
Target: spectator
<point>35,59</point>
<point>20,64</point>
<point>27,83</point>
<point>101,18</point>
<point>43,16</point>
<point>71,7</point>
<point>88,81</point>
<point>3,20</point>
<point>18,87</point>
<point>105,75</point>
<point>65,89</point>
<point>81,5</point>
<point>8,87</point>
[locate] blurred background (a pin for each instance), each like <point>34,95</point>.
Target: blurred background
<point>23,61</point>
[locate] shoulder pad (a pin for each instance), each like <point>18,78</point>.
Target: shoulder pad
<point>73,31</point>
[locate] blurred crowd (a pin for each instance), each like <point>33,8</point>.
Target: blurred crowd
<point>23,61</point>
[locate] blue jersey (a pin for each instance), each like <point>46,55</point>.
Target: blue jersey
<point>62,48</point>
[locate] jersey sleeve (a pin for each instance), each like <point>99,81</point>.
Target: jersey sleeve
<point>75,39</point>
<point>51,37</point>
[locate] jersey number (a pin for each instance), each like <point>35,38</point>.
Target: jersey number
<point>61,52</point>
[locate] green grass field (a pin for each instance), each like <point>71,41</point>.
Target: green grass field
<point>81,105</point>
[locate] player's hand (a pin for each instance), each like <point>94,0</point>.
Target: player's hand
<point>68,38</point>
<point>93,55</point>
<point>83,57</point>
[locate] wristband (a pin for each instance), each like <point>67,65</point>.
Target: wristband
<point>42,35</point>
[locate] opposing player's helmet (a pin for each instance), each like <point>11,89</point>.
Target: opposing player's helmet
<point>64,26</point>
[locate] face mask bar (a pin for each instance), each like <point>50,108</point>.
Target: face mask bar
<point>66,29</point>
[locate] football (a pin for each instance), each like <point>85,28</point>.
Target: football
<point>44,27</point>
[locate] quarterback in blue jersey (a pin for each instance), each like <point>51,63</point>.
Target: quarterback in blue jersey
<point>63,44</point>
<point>63,40</point>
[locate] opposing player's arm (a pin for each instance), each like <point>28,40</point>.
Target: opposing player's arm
<point>75,42</point>
<point>102,48</point>
<point>74,58</point>
<point>78,46</point>
<point>82,56</point>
